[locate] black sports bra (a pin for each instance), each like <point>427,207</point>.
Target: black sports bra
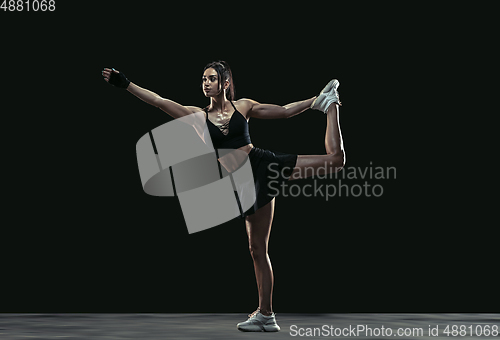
<point>236,128</point>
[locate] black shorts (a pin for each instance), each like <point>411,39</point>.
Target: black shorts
<point>270,169</point>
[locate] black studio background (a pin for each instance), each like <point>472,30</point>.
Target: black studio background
<point>83,235</point>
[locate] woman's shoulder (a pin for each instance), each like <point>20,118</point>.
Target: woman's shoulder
<point>244,105</point>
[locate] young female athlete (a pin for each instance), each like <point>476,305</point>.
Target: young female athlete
<point>227,121</point>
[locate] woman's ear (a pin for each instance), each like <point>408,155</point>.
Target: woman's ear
<point>226,85</point>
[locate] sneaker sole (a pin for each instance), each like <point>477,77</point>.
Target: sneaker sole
<point>333,83</point>
<point>272,328</point>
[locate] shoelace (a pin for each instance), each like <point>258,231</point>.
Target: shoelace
<point>254,313</point>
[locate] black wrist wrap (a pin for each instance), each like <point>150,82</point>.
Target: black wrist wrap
<point>118,80</point>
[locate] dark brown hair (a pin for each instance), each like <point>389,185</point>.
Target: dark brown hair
<point>223,73</point>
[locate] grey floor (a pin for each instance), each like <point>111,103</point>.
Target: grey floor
<point>223,326</point>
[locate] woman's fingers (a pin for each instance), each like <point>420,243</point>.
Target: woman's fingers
<point>106,73</point>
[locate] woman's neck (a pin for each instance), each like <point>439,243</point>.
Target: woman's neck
<point>219,103</point>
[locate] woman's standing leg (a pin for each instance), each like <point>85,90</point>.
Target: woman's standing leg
<point>258,228</point>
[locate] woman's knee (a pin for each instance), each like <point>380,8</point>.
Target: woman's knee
<point>336,161</point>
<point>257,250</point>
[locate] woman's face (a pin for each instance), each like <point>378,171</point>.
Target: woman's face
<point>210,84</point>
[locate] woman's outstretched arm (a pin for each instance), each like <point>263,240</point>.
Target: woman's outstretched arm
<point>169,106</point>
<point>174,109</point>
<point>270,111</point>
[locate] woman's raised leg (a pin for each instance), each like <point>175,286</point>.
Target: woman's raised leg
<point>334,160</point>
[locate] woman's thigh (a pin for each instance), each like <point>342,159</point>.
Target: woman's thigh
<point>309,165</point>
<point>258,226</point>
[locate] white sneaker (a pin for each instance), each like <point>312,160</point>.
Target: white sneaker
<point>327,96</point>
<point>259,323</point>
